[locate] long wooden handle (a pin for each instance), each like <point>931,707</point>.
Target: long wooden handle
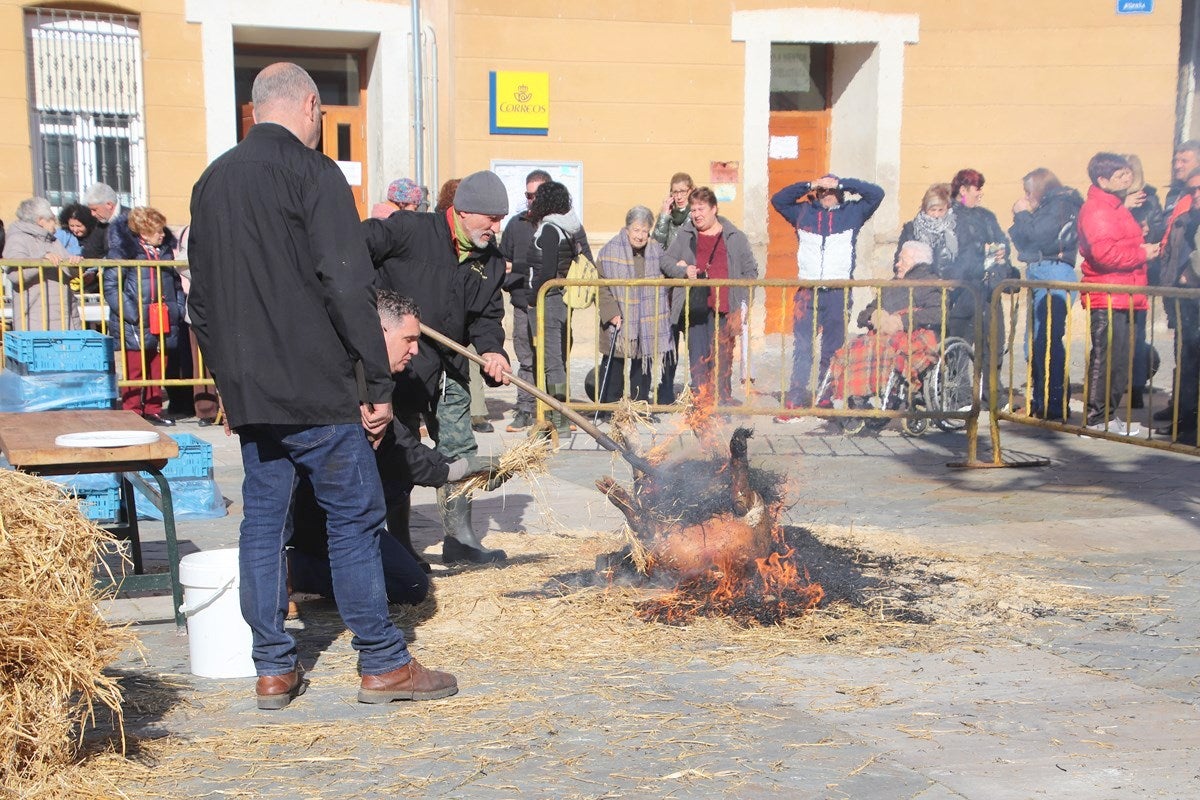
<point>587,427</point>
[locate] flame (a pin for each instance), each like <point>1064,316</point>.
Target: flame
<point>778,587</point>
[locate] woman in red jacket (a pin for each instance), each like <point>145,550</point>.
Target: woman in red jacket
<point>1113,250</point>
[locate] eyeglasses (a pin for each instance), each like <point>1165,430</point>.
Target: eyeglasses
<point>530,195</point>
<point>680,191</point>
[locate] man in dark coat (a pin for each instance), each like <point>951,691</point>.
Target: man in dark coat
<point>448,263</point>
<point>283,305</point>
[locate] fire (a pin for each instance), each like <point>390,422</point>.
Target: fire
<point>778,587</point>
<point>710,525</point>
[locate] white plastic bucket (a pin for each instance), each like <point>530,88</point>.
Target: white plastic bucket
<point>218,637</point>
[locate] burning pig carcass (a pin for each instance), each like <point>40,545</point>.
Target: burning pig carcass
<point>709,526</point>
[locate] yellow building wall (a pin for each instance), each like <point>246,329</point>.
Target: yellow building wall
<point>640,90</point>
<point>172,74</point>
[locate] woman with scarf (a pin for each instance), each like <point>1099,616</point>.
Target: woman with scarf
<point>635,320</point>
<point>146,305</point>
<point>935,225</point>
<point>42,299</point>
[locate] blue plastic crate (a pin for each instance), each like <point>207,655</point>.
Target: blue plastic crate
<point>58,351</point>
<point>51,391</point>
<point>195,459</point>
<point>99,494</point>
<point>99,505</point>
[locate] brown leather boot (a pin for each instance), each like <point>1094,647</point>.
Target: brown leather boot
<point>277,691</point>
<point>410,682</point>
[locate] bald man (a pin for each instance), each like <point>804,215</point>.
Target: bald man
<point>283,306</point>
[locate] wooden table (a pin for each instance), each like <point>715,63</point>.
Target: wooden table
<point>27,440</point>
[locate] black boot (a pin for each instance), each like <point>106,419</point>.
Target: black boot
<point>461,545</point>
<point>397,522</point>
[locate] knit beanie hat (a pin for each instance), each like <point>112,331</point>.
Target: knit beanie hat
<point>404,190</point>
<point>482,193</point>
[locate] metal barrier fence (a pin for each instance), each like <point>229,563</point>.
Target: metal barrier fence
<point>921,378</point>
<point>41,296</point>
<point>1118,383</point>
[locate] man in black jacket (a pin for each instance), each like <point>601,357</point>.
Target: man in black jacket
<point>448,263</point>
<point>283,306</point>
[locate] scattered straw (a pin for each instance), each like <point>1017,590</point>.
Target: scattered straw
<point>527,459</point>
<point>53,641</point>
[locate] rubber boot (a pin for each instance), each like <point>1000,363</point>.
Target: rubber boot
<point>461,545</point>
<point>559,392</point>
<point>397,522</point>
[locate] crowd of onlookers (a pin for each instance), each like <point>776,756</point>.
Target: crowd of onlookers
<point>1125,233</point>
<point>147,312</point>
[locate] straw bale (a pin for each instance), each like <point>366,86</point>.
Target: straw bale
<point>53,642</point>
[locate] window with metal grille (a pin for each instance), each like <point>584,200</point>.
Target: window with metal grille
<point>85,89</point>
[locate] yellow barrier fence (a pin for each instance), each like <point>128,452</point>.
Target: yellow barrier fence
<point>1058,353</point>
<point>124,299</point>
<point>916,370</point>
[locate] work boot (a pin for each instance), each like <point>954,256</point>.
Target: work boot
<point>277,691</point>
<point>520,421</point>
<point>559,392</point>
<point>461,545</point>
<point>410,682</point>
<point>397,522</point>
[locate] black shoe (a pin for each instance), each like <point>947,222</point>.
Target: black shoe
<point>205,422</point>
<point>1163,414</point>
<point>481,425</point>
<point>160,421</point>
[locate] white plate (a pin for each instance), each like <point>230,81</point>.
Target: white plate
<point>106,439</point>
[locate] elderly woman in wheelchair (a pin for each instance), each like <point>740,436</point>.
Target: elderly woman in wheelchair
<point>899,362</point>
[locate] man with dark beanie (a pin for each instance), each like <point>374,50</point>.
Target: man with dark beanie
<point>448,263</point>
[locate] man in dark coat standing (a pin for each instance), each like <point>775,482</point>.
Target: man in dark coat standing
<point>449,265</point>
<point>283,306</point>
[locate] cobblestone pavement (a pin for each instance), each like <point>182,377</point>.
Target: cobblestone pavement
<point>1073,706</point>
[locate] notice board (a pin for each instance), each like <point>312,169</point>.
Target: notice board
<point>568,173</point>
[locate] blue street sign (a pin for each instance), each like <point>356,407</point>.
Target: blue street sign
<point>1135,6</point>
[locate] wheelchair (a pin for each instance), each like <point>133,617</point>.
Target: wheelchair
<point>945,386</point>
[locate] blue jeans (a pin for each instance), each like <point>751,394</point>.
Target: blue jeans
<point>829,309</point>
<point>1050,395</point>
<point>341,466</point>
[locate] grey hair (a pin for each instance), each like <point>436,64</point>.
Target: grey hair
<point>921,251</point>
<point>282,81</point>
<point>393,307</point>
<point>34,209</point>
<point>99,193</point>
<point>639,214</point>
<point>1191,145</point>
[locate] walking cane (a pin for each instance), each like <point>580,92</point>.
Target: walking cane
<point>612,349</point>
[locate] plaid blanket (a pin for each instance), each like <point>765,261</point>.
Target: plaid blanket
<point>861,367</point>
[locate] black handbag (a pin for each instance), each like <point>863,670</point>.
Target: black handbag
<point>698,296</point>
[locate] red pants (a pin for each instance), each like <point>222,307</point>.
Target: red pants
<point>142,399</point>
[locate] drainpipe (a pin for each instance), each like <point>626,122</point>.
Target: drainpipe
<point>434,132</point>
<point>418,90</point>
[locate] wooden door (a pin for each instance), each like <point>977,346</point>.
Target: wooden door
<point>798,151</point>
<point>808,131</point>
<point>344,139</point>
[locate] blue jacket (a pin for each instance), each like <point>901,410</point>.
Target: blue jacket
<point>828,237</point>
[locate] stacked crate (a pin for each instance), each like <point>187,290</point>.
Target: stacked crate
<point>60,370</point>
<point>56,370</point>
<point>194,492</point>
